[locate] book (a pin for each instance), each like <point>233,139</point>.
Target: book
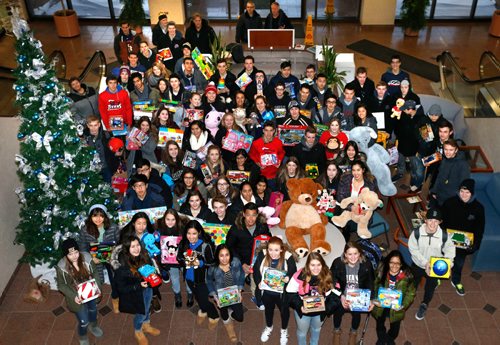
<point>440,267</point>
<point>243,80</point>
<point>203,151</point>
<point>305,112</point>
<point>461,239</point>
<point>237,176</point>
<point>268,159</point>
<point>413,199</point>
<point>228,296</point>
<point>426,133</point>
<point>217,232</point>
<point>165,134</point>
<point>194,114</point>
<point>164,55</point>
<point>205,170</point>
<point>169,246</point>
<point>380,117</point>
<point>134,137</point>
<point>312,170</point>
<point>314,304</point>
<point>389,298</point>
<point>154,213</point>
<point>189,160</point>
<point>272,280</point>
<point>299,46</point>
<point>359,299</point>
<point>431,159</point>
<point>257,242</point>
<point>236,140</point>
<point>202,64</point>
<point>291,135</point>
<point>393,155</point>
<point>320,129</point>
<point>102,251</point>
<point>116,123</point>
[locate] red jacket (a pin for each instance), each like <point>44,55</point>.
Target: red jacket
<point>112,104</point>
<point>268,156</point>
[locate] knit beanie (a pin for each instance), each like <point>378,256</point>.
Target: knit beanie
<point>210,87</point>
<point>126,69</point>
<point>69,245</point>
<point>468,184</point>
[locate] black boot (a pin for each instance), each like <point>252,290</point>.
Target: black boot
<point>178,300</point>
<point>190,301</point>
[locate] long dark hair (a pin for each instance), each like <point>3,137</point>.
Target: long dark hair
<point>385,263</point>
<point>162,227</point>
<point>194,224</point>
<point>91,227</point>
<point>134,262</point>
<point>156,118</point>
<point>323,178</point>
<point>219,249</point>
<point>81,274</point>
<point>195,192</point>
<point>357,119</point>
<point>180,187</point>
<point>165,157</point>
<point>356,246</point>
<point>129,229</point>
<point>325,280</point>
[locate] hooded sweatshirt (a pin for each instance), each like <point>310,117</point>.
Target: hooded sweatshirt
<point>115,104</point>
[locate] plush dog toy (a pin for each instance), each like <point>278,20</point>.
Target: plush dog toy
<point>361,211</point>
<point>299,217</point>
<point>396,110</point>
<point>191,259</point>
<point>268,212</point>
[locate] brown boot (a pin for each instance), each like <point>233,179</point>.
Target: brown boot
<point>141,338</point>
<point>336,337</point>
<point>116,304</point>
<point>230,331</point>
<point>212,323</point>
<point>147,328</point>
<point>201,317</point>
<point>352,338</point>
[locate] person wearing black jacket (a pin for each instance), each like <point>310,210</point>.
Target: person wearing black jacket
<point>278,100</point>
<point>144,167</point>
<point>171,39</point>
<point>245,197</point>
<point>195,206</point>
<point>382,102</point>
<point>221,214</point>
<point>463,212</point>
<point>146,55</point>
<point>200,34</point>
<point>277,19</point>
<point>310,151</point>
<point>250,19</point>
<point>224,80</point>
<point>364,87</point>
<point>125,42</point>
<point>351,271</point>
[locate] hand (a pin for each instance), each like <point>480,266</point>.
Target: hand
<point>371,306</point>
<point>286,280</point>
<point>78,300</point>
<point>185,124</point>
<point>303,310</point>
<point>247,268</point>
<point>96,260</point>
<point>398,308</point>
<point>344,302</point>
<point>144,284</point>
<point>428,268</point>
<point>243,88</point>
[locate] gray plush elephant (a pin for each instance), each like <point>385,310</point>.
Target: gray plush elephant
<point>377,158</point>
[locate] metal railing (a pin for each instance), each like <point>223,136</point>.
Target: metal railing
<point>489,66</point>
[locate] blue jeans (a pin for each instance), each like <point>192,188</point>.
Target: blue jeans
<point>304,324</point>
<point>417,169</point>
<point>139,319</point>
<point>175,279</point>
<point>87,314</point>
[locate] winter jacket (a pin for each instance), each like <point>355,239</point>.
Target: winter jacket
<point>451,173</point>
<point>162,40</point>
<point>215,277</point>
<point>321,95</point>
<point>348,109</point>
<point>88,91</point>
<point>241,241</point>
<point>205,254</point>
<point>196,82</point>
<point>204,212</point>
<point>282,21</point>
<point>291,82</point>
<point>115,104</point>
<point>465,216</point>
<point>429,245</point>
<point>246,22</point>
<point>123,44</point>
<point>147,62</point>
<point>260,149</point>
<point>404,283</point>
<point>344,189</point>
<point>152,199</point>
<point>384,105</point>
<point>67,284</point>
<point>324,118</point>
<point>365,92</point>
<point>258,268</point>
<point>365,276</point>
<point>202,38</point>
<point>229,82</point>
<point>148,93</point>
<point>310,155</point>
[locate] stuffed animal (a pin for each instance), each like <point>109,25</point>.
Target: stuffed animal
<point>149,243</point>
<point>191,258</point>
<point>361,211</point>
<point>268,212</point>
<point>377,158</point>
<point>149,275</point>
<point>299,217</point>
<point>326,203</point>
<point>333,147</point>
<point>240,117</point>
<point>212,121</point>
<point>396,110</point>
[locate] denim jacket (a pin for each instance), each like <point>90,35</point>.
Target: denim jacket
<point>215,277</point>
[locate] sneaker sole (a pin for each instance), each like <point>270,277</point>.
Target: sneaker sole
<point>419,318</point>
<point>458,293</point>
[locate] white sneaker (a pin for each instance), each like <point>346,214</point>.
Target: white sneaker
<point>284,337</point>
<point>266,333</point>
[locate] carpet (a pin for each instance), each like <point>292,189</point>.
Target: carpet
<point>408,63</point>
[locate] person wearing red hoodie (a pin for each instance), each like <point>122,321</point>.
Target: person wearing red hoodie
<point>268,153</point>
<point>114,102</point>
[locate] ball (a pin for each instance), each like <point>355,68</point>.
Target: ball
<point>440,267</point>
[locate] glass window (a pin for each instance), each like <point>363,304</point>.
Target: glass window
<point>343,8</point>
<point>211,9</point>
<point>452,9</point>
<point>92,9</point>
<point>485,8</point>
<point>398,9</point>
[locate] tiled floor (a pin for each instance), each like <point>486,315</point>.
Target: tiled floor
<point>473,319</point>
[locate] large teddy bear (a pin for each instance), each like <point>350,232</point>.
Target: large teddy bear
<point>377,158</point>
<point>299,217</point>
<point>361,211</point>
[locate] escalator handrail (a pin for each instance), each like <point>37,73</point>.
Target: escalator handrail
<point>9,72</point>
<point>447,54</point>
<point>488,54</point>
<point>59,54</point>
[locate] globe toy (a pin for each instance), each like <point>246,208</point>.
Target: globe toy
<point>440,267</point>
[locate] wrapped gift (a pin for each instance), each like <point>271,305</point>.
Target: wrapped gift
<point>88,291</point>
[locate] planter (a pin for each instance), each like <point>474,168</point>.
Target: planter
<point>411,33</point>
<point>66,23</point>
<point>495,24</point>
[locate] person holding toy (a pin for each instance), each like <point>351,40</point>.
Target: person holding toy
<point>135,293</point>
<point>393,274</point>
<point>75,268</point>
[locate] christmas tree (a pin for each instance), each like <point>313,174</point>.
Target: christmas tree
<point>60,176</point>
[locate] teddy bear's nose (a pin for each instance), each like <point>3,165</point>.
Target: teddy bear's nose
<point>308,199</point>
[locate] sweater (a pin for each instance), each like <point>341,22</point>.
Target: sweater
<point>115,104</point>
<point>263,153</point>
<point>429,245</point>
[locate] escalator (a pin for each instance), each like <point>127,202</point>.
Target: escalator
<point>481,97</point>
<point>94,74</point>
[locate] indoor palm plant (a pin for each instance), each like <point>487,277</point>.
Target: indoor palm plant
<point>413,16</point>
<point>133,13</point>
<point>334,78</point>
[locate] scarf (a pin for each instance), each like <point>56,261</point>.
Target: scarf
<point>196,144</point>
<point>246,202</point>
<point>190,272</point>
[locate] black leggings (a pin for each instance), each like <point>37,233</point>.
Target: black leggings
<point>384,336</point>
<point>339,313</point>
<point>200,292</point>
<point>270,300</point>
<point>430,283</point>
<point>237,313</point>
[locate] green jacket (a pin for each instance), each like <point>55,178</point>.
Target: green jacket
<point>67,285</point>
<point>405,285</point>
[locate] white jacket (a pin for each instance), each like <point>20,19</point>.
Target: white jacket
<point>429,245</point>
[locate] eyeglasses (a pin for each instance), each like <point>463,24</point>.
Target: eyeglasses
<point>188,178</point>
<point>395,263</point>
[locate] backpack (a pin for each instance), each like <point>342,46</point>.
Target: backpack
<point>445,237</point>
<point>371,251</point>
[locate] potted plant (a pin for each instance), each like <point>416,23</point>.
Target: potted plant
<point>66,22</point>
<point>133,13</point>
<point>413,16</point>
<point>219,52</point>
<point>334,78</point>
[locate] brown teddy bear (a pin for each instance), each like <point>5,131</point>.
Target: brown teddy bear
<point>300,217</point>
<point>361,211</point>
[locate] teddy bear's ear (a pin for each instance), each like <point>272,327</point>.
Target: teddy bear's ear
<point>292,183</point>
<point>320,188</point>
